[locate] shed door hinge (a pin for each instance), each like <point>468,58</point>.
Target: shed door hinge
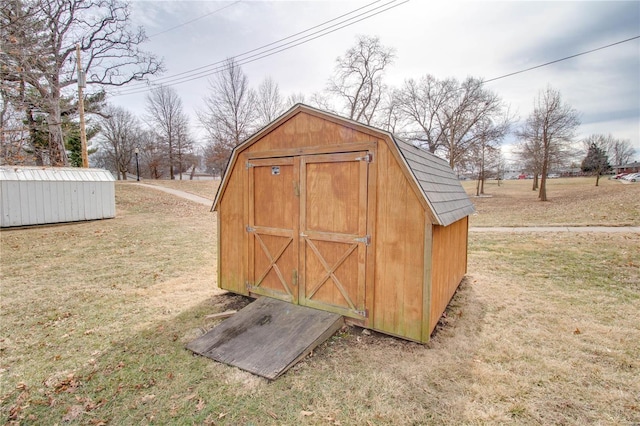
<point>367,158</point>
<point>366,240</point>
<point>250,229</point>
<point>363,313</point>
<point>248,165</point>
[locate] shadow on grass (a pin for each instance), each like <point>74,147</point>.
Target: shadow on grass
<point>354,377</point>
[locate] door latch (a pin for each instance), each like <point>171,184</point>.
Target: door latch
<point>366,240</point>
<point>367,158</point>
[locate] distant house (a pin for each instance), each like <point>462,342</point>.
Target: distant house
<point>627,168</point>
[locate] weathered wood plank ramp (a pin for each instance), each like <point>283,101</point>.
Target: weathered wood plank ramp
<point>267,337</point>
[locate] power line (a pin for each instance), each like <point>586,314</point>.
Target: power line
<point>560,60</point>
<point>240,60</point>
<point>217,65</point>
<point>263,46</point>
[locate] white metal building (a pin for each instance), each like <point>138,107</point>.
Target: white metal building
<point>42,195</point>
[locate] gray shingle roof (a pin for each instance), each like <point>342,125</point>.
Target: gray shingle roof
<point>440,186</point>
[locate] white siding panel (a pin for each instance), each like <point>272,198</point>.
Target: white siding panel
<point>39,195</point>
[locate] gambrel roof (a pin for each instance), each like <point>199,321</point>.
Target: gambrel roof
<point>438,184</point>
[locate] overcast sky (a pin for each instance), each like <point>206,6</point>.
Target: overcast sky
<point>447,39</point>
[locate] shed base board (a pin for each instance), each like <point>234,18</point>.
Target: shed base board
<point>267,337</point>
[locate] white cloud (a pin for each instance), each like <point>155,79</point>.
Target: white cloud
<point>448,39</point>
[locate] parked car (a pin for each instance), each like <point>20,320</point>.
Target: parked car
<point>553,175</point>
<point>620,175</point>
<point>631,177</point>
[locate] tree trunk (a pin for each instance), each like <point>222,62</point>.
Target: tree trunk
<point>57,154</point>
<point>171,174</point>
<point>597,177</point>
<point>535,181</point>
<point>543,182</point>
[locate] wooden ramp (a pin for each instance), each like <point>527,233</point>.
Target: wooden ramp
<point>267,337</point>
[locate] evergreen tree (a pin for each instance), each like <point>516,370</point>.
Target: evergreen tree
<point>596,161</point>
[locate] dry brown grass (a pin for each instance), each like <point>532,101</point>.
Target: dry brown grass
<point>544,330</point>
<point>572,202</point>
<point>203,188</point>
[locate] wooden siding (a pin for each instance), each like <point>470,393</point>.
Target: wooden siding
<point>411,267</point>
<point>231,243</point>
<point>305,130</point>
<point>399,247</point>
<point>303,133</point>
<point>449,264</point>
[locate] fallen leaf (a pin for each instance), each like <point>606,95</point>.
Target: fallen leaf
<point>200,405</point>
<point>576,331</point>
<point>272,414</point>
<point>221,415</point>
<point>147,398</point>
<point>306,413</point>
<point>73,413</point>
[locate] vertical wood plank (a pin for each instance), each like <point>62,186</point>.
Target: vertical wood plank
<point>249,208</point>
<point>448,265</point>
<point>426,291</point>
<point>302,272</point>
<point>372,191</point>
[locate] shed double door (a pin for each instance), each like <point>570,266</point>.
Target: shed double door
<point>307,230</point>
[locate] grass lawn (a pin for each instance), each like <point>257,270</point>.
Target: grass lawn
<point>545,329</point>
<point>572,202</point>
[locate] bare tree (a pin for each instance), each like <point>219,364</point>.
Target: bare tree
<point>551,126</point>
<point>294,98</point>
<point>120,132</point>
<point>530,152</point>
<point>168,121</point>
<point>463,114</point>
<point>420,103</point>
<point>486,153</point>
<point>620,151</point>
<point>321,100</point>
<point>357,81</point>
<point>152,156</point>
<point>14,135</point>
<point>184,147</point>
<point>42,36</point>
<point>269,103</point>
<point>391,117</point>
<point>229,113</point>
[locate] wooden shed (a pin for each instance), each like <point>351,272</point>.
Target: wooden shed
<point>43,195</point>
<point>326,212</point>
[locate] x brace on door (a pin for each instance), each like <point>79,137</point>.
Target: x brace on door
<point>272,262</point>
<point>331,273</point>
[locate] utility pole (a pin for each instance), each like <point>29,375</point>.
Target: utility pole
<point>82,82</point>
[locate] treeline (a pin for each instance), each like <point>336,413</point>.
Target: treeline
<point>461,121</point>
